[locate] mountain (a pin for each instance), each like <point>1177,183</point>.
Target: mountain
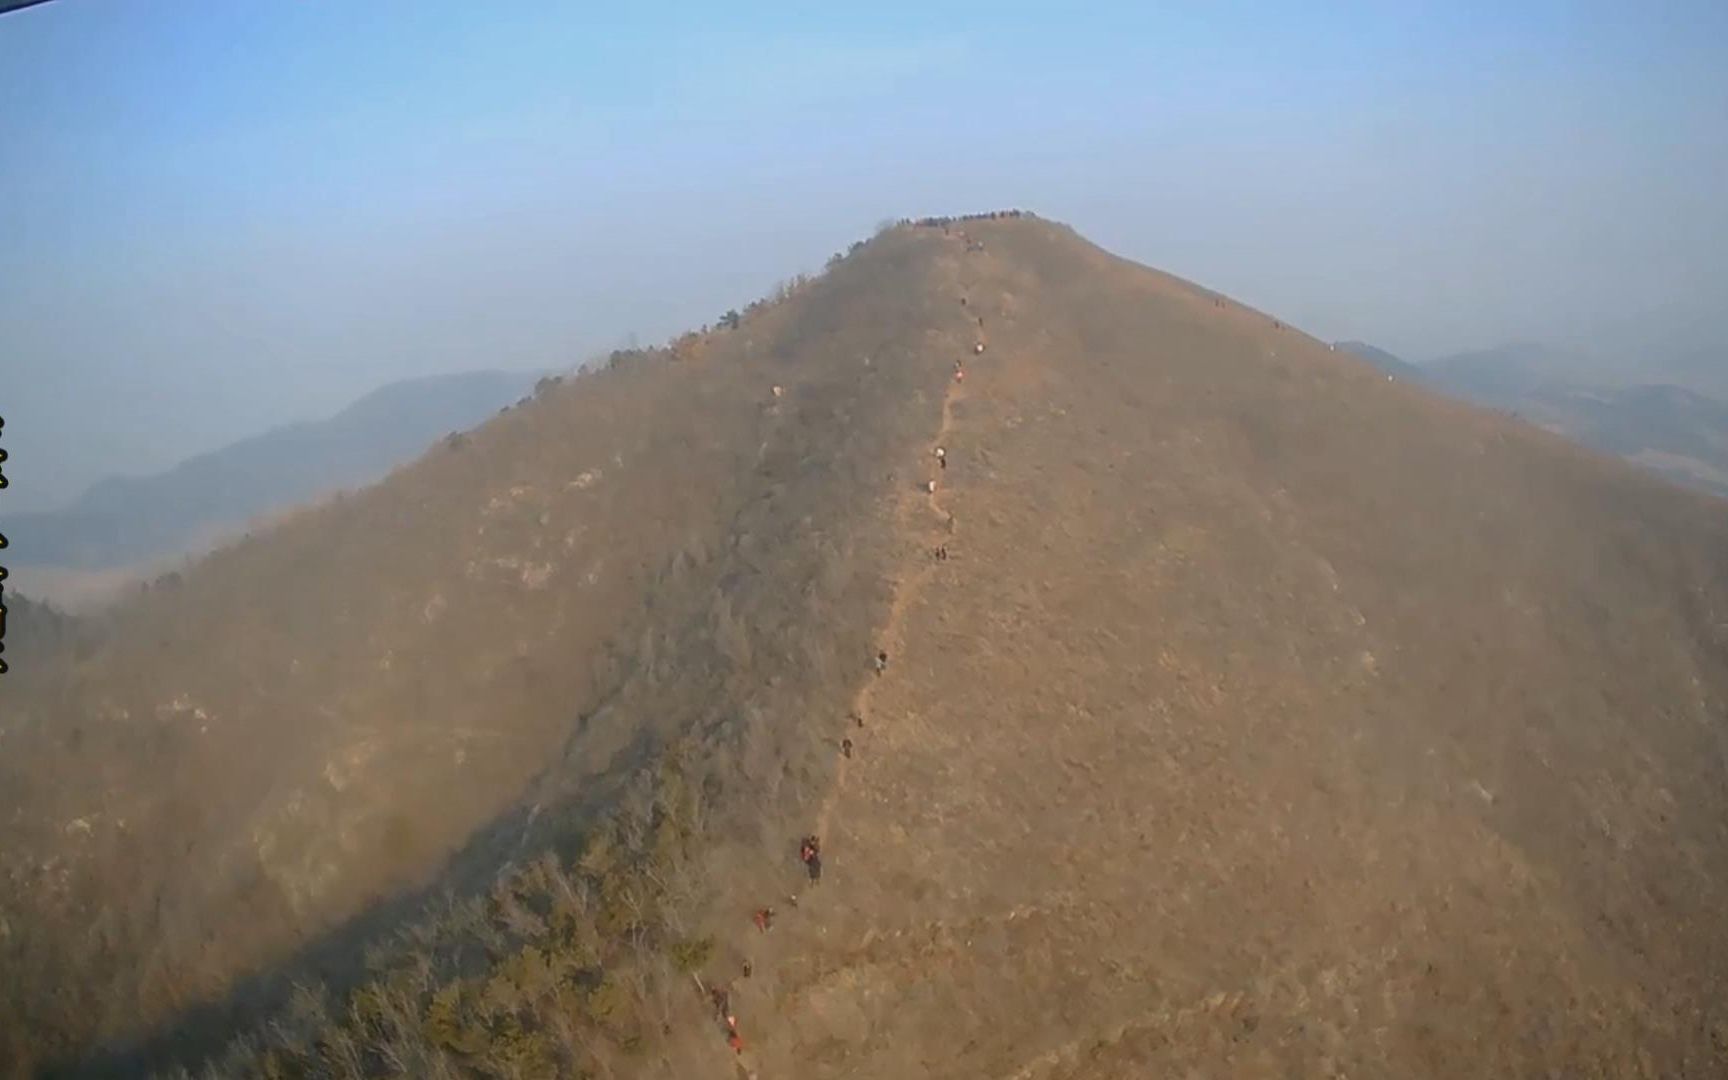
<point>1702,370</point>
<point>1678,434</point>
<point>1244,713</point>
<point>35,632</point>
<point>1380,358</point>
<point>1498,376</point>
<point>122,521</point>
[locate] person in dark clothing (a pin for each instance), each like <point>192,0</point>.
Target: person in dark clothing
<point>846,747</point>
<point>810,851</point>
<point>881,662</point>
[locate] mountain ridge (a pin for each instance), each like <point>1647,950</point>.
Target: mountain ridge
<point>1671,431</point>
<point>1243,711</point>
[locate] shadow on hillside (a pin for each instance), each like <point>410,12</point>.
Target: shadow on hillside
<point>336,960</point>
<point>747,612</point>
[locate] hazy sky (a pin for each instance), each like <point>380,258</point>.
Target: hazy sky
<point>218,216</point>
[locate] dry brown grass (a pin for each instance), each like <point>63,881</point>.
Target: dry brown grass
<point>409,686</point>
<point>1269,719</point>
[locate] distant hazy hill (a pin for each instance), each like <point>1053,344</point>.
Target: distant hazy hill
<point>1381,359</point>
<point>124,519</point>
<point>1672,431</point>
<point>1701,370</point>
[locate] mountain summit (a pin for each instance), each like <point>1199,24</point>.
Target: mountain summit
<point>1211,703</point>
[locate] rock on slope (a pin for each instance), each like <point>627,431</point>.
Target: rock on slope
<point>1266,719</point>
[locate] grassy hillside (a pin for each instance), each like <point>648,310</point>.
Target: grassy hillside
<point>463,665</point>
<point>1272,719</point>
<point>1266,718</point>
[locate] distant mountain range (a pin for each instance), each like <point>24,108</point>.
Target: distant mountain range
<point>128,520</point>
<point>1671,430</point>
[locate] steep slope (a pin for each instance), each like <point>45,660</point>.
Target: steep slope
<point>1667,430</point>
<point>1380,358</point>
<point>125,520</point>
<point>462,666</point>
<point>1269,719</point>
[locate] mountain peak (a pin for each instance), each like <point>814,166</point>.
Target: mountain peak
<point>1208,700</point>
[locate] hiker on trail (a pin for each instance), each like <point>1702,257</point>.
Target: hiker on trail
<point>748,969</point>
<point>810,851</point>
<point>941,457</point>
<point>941,552</point>
<point>857,718</point>
<point>978,349</point>
<point>881,662</point>
<point>930,486</point>
<point>764,919</point>
<point>846,747</point>
<point>723,1006</point>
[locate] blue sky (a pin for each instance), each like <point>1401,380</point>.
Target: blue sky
<point>220,216</point>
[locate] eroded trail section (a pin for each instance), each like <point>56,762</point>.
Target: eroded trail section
<point>932,526</point>
<point>925,525</point>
